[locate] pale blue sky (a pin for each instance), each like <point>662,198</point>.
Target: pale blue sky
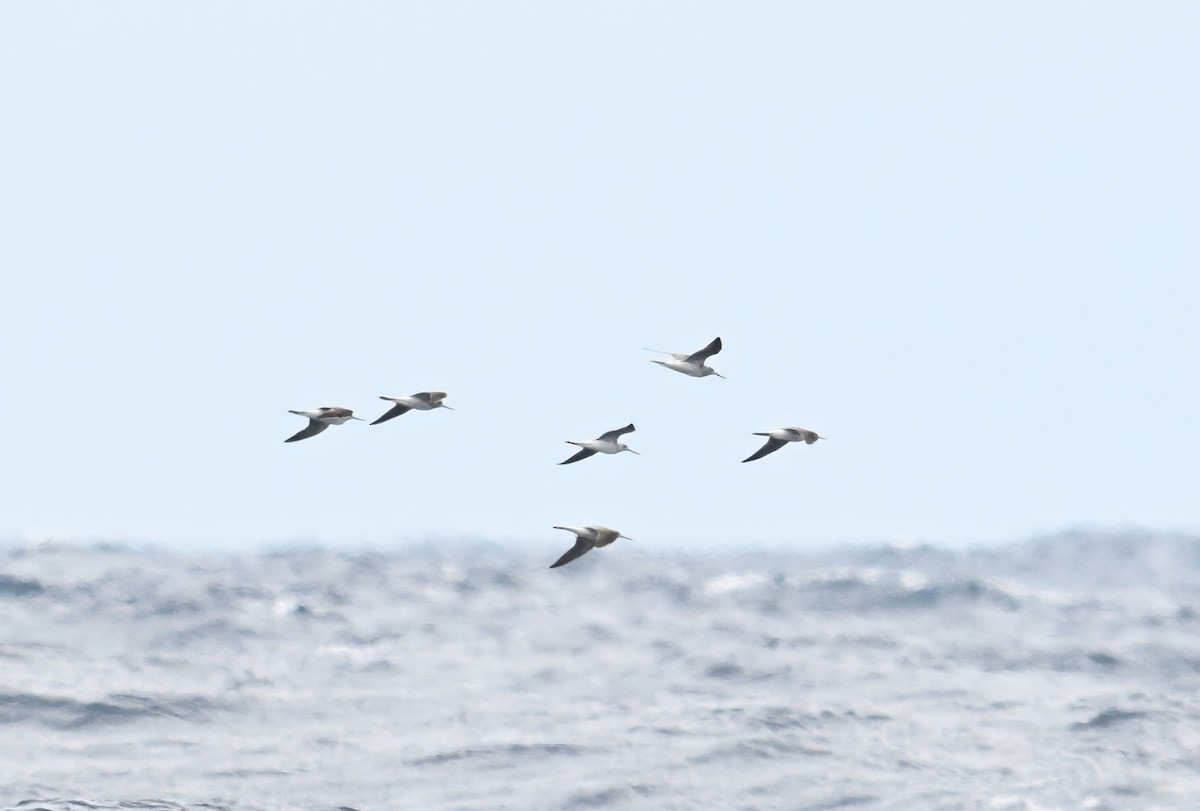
<point>958,239</point>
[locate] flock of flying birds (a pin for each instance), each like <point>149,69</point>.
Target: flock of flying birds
<point>586,538</point>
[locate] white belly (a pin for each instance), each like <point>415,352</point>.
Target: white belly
<point>683,366</point>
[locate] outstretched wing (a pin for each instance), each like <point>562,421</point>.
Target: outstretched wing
<point>705,353</point>
<point>430,397</point>
<point>771,446</point>
<point>584,453</point>
<point>314,427</point>
<point>581,547</point>
<point>675,355</point>
<point>611,436</point>
<point>394,411</point>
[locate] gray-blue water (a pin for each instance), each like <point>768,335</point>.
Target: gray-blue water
<point>1057,674</point>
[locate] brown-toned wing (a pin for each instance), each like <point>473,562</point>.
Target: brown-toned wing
<point>704,354</point>
<point>314,427</point>
<point>394,411</point>
<point>581,547</point>
<point>771,446</point>
<point>612,436</point>
<point>584,453</point>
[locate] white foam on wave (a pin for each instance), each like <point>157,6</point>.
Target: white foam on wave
<point>725,584</point>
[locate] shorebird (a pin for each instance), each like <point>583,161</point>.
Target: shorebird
<point>585,539</point>
<point>780,437</point>
<point>321,418</point>
<point>421,401</point>
<point>692,364</point>
<point>605,443</point>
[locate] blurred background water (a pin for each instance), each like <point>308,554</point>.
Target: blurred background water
<point>1056,673</point>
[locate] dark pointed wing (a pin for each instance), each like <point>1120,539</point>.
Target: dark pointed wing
<point>611,436</point>
<point>314,427</point>
<point>705,353</point>
<point>771,446</point>
<point>584,453</point>
<point>394,411</point>
<point>581,547</point>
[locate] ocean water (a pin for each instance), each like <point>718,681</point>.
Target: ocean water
<point>1062,673</point>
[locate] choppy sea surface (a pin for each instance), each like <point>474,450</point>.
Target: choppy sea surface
<point>1061,673</point>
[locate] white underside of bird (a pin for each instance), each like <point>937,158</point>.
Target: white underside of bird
<point>681,364</point>
<point>600,446</point>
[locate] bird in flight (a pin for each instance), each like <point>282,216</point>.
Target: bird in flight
<point>421,401</point>
<point>780,437</point>
<point>321,418</point>
<point>692,364</point>
<point>605,443</point>
<point>586,538</point>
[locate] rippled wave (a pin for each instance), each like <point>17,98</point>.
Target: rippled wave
<point>1061,673</point>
